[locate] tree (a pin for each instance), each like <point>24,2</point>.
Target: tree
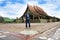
<point>1,19</point>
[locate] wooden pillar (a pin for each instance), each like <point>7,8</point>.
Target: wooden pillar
<point>22,19</point>
<point>39,19</point>
<point>33,17</point>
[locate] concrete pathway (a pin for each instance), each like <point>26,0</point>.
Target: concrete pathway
<point>45,30</point>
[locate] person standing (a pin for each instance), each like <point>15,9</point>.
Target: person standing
<point>27,16</point>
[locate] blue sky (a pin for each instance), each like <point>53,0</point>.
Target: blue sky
<point>16,8</point>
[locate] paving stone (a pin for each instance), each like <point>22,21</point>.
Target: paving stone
<point>11,37</point>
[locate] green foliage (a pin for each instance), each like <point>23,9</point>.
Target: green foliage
<point>1,19</point>
<point>18,20</point>
<point>8,20</point>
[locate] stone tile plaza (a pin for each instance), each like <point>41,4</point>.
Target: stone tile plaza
<point>38,31</point>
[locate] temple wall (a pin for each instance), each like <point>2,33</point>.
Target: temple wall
<point>38,20</point>
<point>43,20</point>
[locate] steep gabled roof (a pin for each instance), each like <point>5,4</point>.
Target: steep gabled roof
<point>36,10</point>
<point>40,11</point>
<point>31,8</point>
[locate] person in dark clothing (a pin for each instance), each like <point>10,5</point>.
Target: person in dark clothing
<point>27,16</point>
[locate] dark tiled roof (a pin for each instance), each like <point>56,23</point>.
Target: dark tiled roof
<point>37,10</point>
<point>31,8</point>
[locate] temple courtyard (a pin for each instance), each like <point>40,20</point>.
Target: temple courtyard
<point>38,31</point>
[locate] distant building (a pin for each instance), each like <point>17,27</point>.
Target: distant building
<point>38,15</point>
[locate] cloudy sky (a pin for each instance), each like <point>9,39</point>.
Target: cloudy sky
<point>16,8</point>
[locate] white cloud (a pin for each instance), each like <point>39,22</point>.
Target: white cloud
<point>1,1</point>
<point>32,3</point>
<point>18,9</point>
<point>50,7</point>
<point>2,13</point>
<point>13,10</point>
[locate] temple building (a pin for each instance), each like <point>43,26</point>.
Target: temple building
<point>38,15</point>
